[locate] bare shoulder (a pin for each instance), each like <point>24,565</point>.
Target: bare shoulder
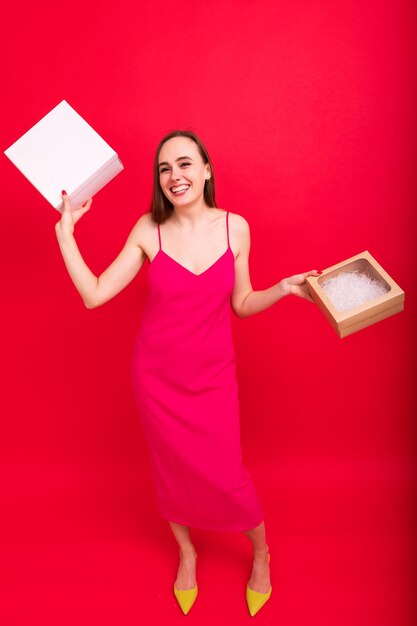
<point>238,222</point>
<point>239,231</point>
<point>142,233</point>
<point>144,222</point>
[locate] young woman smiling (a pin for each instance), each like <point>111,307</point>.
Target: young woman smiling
<point>183,359</point>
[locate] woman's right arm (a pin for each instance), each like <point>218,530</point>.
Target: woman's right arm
<point>94,290</point>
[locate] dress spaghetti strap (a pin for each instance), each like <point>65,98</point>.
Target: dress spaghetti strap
<point>159,236</point>
<point>227,227</point>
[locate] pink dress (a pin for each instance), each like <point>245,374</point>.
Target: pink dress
<point>184,383</point>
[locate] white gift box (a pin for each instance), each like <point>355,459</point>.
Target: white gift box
<point>61,152</point>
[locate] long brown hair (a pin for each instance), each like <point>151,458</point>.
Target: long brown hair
<point>161,207</point>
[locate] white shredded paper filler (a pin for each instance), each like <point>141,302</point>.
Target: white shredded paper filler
<point>350,289</point>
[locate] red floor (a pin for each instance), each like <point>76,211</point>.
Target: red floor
<point>88,547</point>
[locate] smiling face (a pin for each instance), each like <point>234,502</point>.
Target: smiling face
<point>182,171</point>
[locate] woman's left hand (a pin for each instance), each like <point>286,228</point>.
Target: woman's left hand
<point>296,285</point>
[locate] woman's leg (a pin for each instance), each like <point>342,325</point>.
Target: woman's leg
<point>260,578</point>
<point>186,577</point>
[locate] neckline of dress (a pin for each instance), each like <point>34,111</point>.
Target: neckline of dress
<point>186,268</point>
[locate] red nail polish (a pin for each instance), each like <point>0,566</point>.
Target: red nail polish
<point>64,192</point>
<point>319,272</point>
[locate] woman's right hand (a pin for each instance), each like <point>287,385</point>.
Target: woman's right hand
<point>71,216</point>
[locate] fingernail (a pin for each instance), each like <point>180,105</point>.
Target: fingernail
<point>64,192</point>
<point>319,272</point>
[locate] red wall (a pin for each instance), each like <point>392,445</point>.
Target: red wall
<point>308,112</point>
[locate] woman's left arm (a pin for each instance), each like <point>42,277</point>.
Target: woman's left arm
<point>245,301</point>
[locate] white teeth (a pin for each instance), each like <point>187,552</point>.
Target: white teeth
<point>181,188</point>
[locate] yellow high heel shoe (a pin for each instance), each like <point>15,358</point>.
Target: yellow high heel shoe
<point>186,597</point>
<point>255,599</point>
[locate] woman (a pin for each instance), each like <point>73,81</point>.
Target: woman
<point>183,361</point>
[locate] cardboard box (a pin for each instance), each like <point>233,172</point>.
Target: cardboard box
<point>61,152</point>
<point>354,319</point>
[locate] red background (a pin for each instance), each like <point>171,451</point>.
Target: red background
<point>307,109</point>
